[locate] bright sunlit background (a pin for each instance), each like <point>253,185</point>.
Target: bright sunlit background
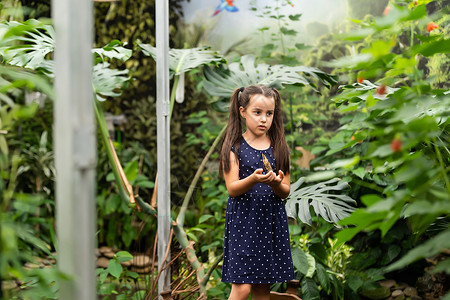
<point>231,27</point>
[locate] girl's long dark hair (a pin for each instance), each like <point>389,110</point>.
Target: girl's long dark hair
<point>233,134</point>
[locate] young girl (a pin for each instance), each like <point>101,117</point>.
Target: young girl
<point>256,244</point>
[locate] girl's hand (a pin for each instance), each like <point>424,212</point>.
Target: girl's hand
<point>278,179</point>
<point>280,184</point>
<point>270,178</point>
<point>259,177</point>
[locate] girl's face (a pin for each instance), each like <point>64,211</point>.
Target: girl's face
<point>258,114</point>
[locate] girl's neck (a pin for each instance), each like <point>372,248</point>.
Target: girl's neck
<point>257,142</point>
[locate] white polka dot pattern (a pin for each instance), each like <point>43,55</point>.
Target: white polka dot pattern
<point>256,242</point>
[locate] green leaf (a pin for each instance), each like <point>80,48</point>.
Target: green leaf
<point>112,204</point>
<point>320,176</point>
<point>103,274</point>
<point>318,149</point>
<point>419,12</point>
<point>39,43</point>
<point>338,287</point>
<point>422,207</point>
<point>429,49</point>
<point>442,266</point>
<point>286,31</point>
<point>347,163</point>
<point>25,78</point>
<point>295,229</point>
<point>350,61</point>
<point>354,282</point>
<point>3,145</point>
<point>131,171</point>
<point>300,260</point>
<point>356,35</point>
<point>361,219</point>
<point>309,289</point>
<point>107,288</point>
<point>311,265</point>
<point>30,44</point>
<point>322,275</point>
<point>295,17</point>
<point>183,60</point>
<point>123,256</point>
<point>132,274</point>
<point>145,184</point>
<point>429,248</point>
<point>113,50</point>
<point>204,218</point>
<point>371,101</point>
<point>393,252</point>
<point>318,250</point>
<point>192,236</point>
<point>28,235</point>
<point>395,15</point>
<point>114,268</point>
<point>370,199</point>
<point>108,82</point>
<point>222,82</point>
<point>262,29</point>
<point>360,172</point>
<point>302,46</point>
<point>382,151</point>
<point>322,197</point>
<point>380,48</point>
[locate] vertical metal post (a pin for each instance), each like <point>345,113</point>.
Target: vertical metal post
<point>75,148</point>
<point>163,136</point>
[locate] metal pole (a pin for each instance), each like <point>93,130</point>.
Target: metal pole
<point>75,148</point>
<point>163,136</point>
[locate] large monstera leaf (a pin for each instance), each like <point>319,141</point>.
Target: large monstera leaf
<point>27,44</point>
<point>183,60</point>
<point>108,82</point>
<point>331,206</point>
<point>31,44</point>
<point>222,82</point>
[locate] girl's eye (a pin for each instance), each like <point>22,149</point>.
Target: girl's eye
<point>270,113</point>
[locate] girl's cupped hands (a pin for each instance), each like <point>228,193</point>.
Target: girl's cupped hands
<point>270,178</point>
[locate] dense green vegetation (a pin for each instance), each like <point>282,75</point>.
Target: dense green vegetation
<point>366,116</point>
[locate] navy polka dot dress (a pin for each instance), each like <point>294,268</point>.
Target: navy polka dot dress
<point>256,243</point>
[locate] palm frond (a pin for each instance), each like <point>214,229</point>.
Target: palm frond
<point>183,60</point>
<point>222,82</point>
<point>330,206</point>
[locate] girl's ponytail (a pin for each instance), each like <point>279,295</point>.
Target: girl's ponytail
<point>232,134</point>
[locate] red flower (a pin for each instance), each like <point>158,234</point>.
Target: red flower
<point>386,10</point>
<point>381,90</point>
<point>431,26</point>
<point>353,137</point>
<point>360,79</point>
<point>396,144</point>
<point>415,3</point>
